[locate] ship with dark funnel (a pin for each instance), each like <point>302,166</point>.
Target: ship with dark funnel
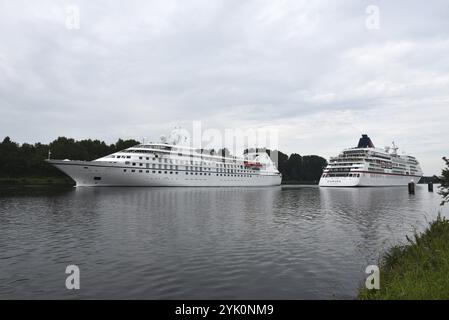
<point>368,166</point>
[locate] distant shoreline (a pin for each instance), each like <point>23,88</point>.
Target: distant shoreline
<point>49,181</point>
<point>37,181</point>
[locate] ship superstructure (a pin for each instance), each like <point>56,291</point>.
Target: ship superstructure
<point>170,163</point>
<point>366,165</point>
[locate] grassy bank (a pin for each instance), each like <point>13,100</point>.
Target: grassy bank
<point>300,182</point>
<point>418,270</point>
<point>36,181</point>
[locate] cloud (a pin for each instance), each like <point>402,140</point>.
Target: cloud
<point>312,70</point>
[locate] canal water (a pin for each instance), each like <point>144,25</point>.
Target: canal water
<point>287,242</point>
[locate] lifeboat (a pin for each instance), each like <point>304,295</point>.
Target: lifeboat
<point>252,164</point>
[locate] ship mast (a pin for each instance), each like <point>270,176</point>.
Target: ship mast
<point>395,148</point>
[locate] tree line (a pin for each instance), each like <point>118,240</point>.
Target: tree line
<point>28,160</point>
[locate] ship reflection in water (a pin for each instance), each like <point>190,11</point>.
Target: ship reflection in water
<point>289,242</point>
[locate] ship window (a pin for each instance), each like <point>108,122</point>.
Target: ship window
<point>128,157</point>
<point>176,172</point>
<point>159,171</point>
<point>148,171</point>
<point>171,172</point>
<point>165,172</point>
<point>140,164</point>
<point>140,170</point>
<point>133,170</point>
<point>124,170</point>
<point>134,163</point>
<point>140,158</point>
<point>148,158</point>
<point>97,178</point>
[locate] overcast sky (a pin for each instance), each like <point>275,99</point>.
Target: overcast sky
<point>320,72</point>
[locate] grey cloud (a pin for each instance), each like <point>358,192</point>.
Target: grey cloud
<point>310,69</point>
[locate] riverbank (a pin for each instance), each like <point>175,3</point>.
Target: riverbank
<point>67,181</point>
<point>418,270</point>
<point>295,182</point>
<point>36,181</point>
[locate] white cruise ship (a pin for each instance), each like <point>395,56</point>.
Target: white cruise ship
<point>169,163</point>
<point>368,166</point>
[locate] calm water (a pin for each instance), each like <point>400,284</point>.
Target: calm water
<point>201,243</point>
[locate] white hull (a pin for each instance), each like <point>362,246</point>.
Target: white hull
<point>368,166</point>
<point>369,180</point>
<point>95,174</point>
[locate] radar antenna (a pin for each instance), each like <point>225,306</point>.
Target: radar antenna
<point>395,148</point>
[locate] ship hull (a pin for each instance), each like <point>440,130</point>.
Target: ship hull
<point>369,180</point>
<point>95,174</point>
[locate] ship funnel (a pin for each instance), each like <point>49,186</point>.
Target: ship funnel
<point>365,142</point>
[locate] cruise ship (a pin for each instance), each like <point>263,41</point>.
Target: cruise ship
<point>368,166</point>
<point>171,163</point>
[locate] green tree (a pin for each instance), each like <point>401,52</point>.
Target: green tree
<point>312,168</point>
<point>8,154</point>
<point>224,152</point>
<point>124,144</point>
<point>444,188</point>
<point>280,160</point>
<point>294,167</point>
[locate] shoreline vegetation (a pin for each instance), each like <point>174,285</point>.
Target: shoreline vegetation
<point>24,164</point>
<point>418,270</point>
<point>37,181</point>
<point>67,181</point>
